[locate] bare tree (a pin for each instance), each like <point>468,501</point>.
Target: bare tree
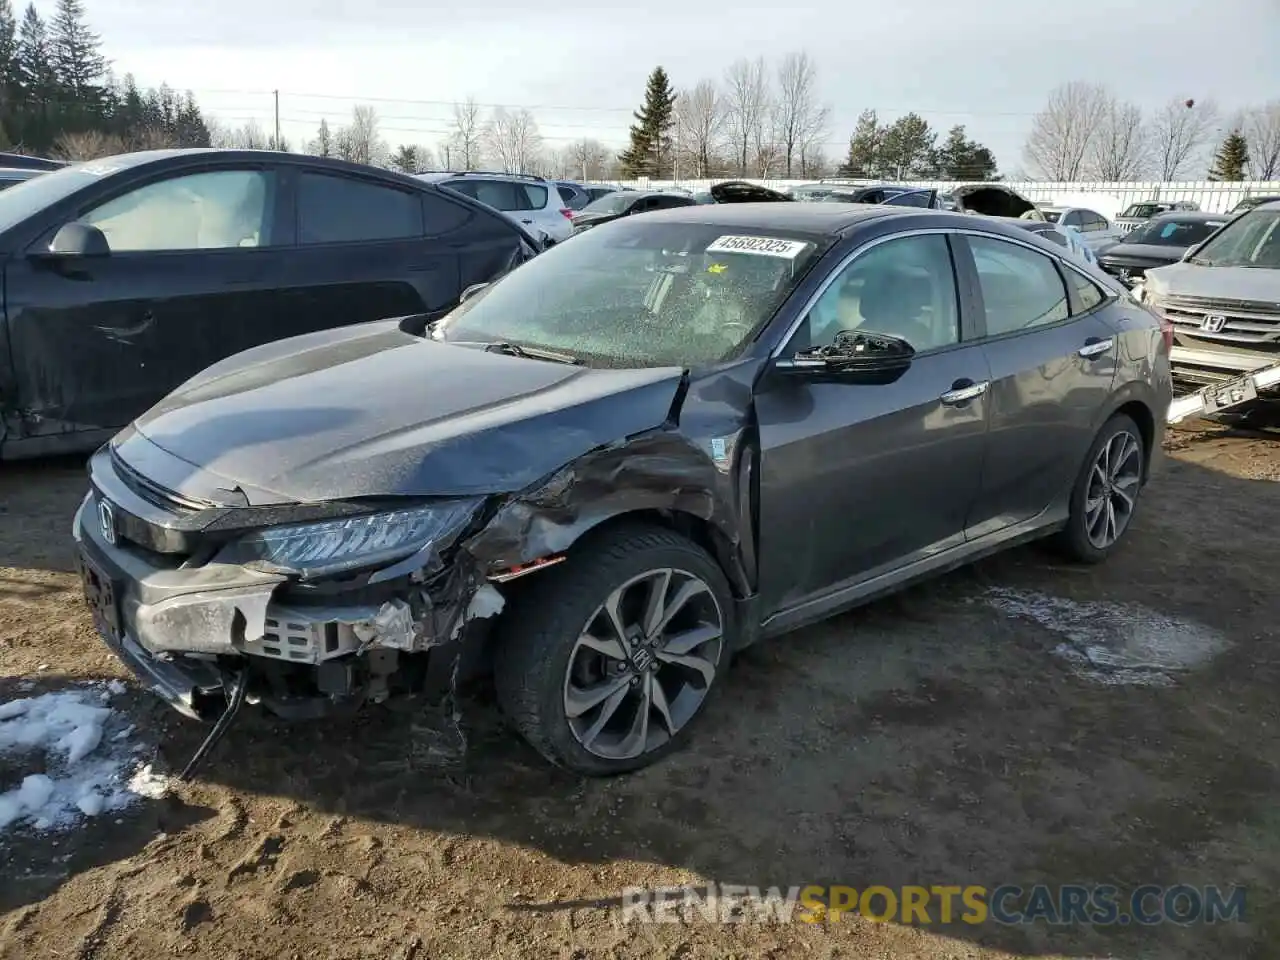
<point>799,118</point>
<point>1179,134</point>
<point>587,158</point>
<point>513,138</point>
<point>467,134</point>
<point>87,145</point>
<point>1062,132</point>
<point>1262,129</point>
<point>1119,148</point>
<point>359,141</point>
<point>249,137</point>
<point>747,107</point>
<point>700,118</point>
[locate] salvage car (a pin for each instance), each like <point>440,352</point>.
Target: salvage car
<point>608,472</point>
<point>627,203</point>
<point>1223,299</point>
<point>1159,242</point>
<point>125,276</point>
<point>1136,214</point>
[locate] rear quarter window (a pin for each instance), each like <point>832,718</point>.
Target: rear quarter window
<point>537,195</point>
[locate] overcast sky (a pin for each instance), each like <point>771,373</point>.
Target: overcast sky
<point>582,69</point>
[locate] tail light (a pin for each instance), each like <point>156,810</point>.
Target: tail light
<point>568,214</point>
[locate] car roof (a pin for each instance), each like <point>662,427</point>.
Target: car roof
<point>1269,205</point>
<point>829,219</point>
<point>1193,216</point>
<point>126,161</point>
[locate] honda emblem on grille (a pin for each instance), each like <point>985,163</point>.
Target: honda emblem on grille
<point>1213,323</point>
<point>107,517</point>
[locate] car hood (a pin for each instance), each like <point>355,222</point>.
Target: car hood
<point>1144,251</point>
<point>376,411</point>
<point>991,199</point>
<point>1218,283</point>
<point>739,191</point>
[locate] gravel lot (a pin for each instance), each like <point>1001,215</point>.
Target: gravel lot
<point>966,732</point>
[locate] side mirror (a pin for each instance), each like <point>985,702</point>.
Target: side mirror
<point>471,291</point>
<point>854,357</point>
<point>77,239</point>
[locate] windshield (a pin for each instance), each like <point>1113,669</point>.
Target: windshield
<point>1252,240</point>
<point>636,294</point>
<point>23,199</point>
<point>1172,232</point>
<point>615,202</point>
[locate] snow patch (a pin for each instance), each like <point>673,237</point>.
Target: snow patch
<point>85,752</point>
<point>1113,643</point>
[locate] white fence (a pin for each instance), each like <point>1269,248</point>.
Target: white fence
<point>1108,198</point>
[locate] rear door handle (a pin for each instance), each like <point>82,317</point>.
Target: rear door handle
<point>526,221</point>
<point>962,391</point>
<point>1096,347</point>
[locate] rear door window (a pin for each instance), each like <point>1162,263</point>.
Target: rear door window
<point>333,209</point>
<point>499,194</point>
<point>1021,289</point>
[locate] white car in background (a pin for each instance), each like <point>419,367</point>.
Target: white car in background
<point>533,202</point>
<point>1095,229</point>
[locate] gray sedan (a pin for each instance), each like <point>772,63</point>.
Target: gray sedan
<point>631,457</point>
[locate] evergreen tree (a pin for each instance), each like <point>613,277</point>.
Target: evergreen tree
<point>650,152</point>
<point>863,160</point>
<point>960,158</point>
<point>34,124</point>
<point>191,129</point>
<point>907,148</point>
<point>1232,158</point>
<point>406,159</point>
<point>10,87</point>
<point>77,63</point>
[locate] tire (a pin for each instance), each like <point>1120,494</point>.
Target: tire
<point>1075,540</point>
<point>543,641</point>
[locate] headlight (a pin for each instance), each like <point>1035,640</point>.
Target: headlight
<point>311,550</point>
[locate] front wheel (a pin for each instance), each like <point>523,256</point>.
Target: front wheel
<point>1106,493</point>
<point>605,666</point>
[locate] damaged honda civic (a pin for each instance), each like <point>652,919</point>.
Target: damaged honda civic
<point>600,477</point>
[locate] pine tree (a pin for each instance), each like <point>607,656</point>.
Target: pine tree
<point>405,158</point>
<point>1232,158</point>
<point>34,125</point>
<point>650,152</point>
<point>9,79</point>
<point>864,147</point>
<point>960,158</point>
<point>78,65</point>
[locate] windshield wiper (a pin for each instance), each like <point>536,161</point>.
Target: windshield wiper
<point>530,353</point>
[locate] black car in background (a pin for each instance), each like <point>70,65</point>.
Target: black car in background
<point>1159,242</point>
<point>891,193</point>
<point>1248,203</point>
<point>123,277</point>
<point>626,203</point>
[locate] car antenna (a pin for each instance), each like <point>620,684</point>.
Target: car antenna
<point>234,703</point>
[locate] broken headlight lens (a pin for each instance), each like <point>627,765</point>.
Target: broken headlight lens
<point>327,547</point>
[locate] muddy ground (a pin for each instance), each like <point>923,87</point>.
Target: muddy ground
<point>929,739</point>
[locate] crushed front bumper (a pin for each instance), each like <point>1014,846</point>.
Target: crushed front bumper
<point>186,630</point>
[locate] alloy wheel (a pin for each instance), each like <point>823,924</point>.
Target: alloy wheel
<point>643,664</point>
<point>1113,489</point>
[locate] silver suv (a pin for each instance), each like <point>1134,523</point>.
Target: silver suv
<point>529,200</point>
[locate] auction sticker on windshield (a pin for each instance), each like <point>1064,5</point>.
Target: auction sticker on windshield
<point>759,246</point>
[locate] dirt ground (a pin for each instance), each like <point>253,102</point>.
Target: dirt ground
<point>928,739</point>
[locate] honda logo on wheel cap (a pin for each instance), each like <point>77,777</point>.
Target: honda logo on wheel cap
<point>107,518</point>
<point>1213,323</point>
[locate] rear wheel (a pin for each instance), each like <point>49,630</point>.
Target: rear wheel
<point>1106,493</point>
<point>606,665</point>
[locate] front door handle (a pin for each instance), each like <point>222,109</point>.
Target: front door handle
<point>962,391</point>
<point>1096,346</point>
